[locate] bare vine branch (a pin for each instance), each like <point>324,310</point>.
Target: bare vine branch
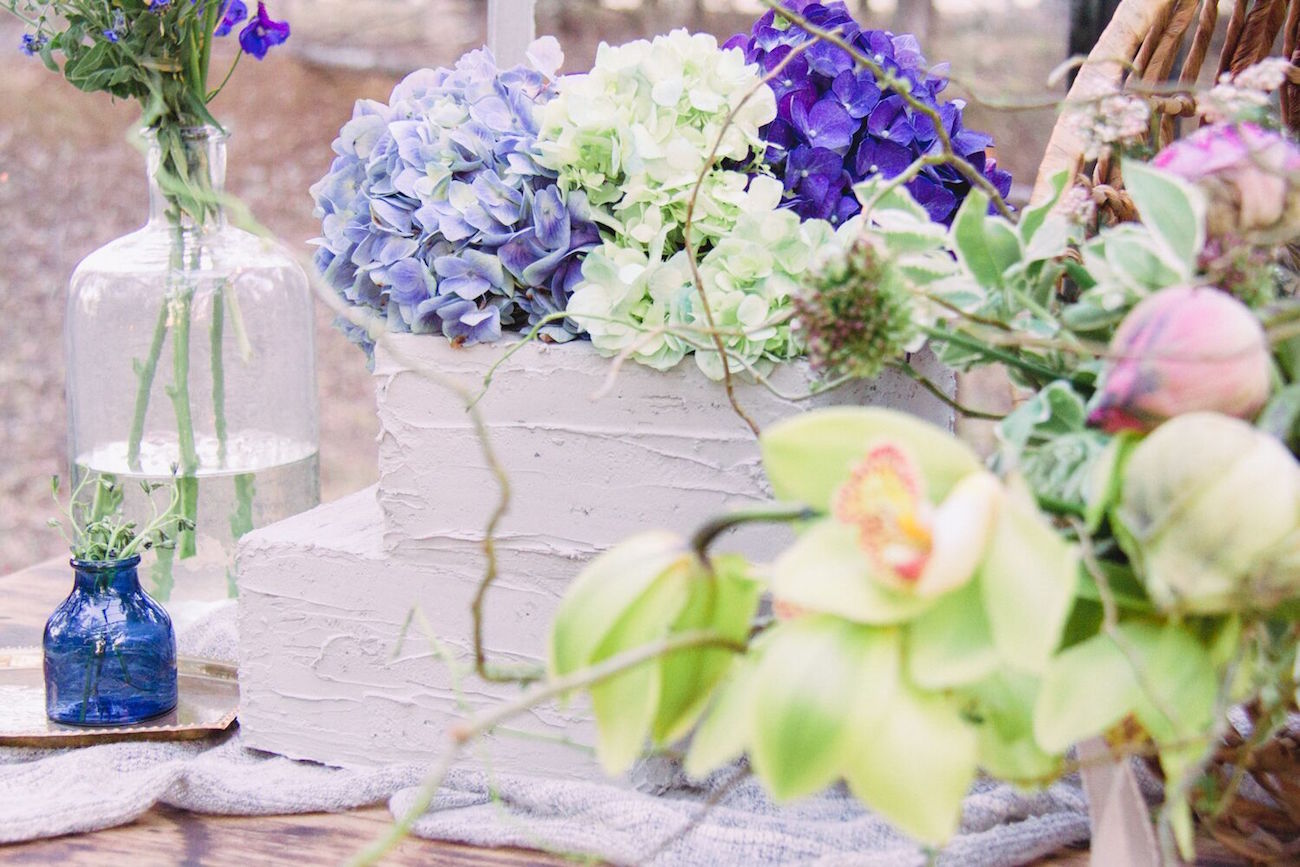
<point>463,733</point>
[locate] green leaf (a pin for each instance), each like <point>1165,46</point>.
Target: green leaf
<point>1085,690</point>
<point>1085,317</point>
<point>1003,242</point>
<point>728,725</point>
<point>1060,471</point>
<point>1028,568</point>
<point>624,705</point>
<point>605,590</point>
<point>826,571</point>
<point>1162,674</point>
<point>916,765</point>
<point>808,457</point>
<point>725,604</point>
<point>1055,410</point>
<point>987,246</point>
<point>1004,705</point>
<point>904,234</point>
<point>1106,480</point>
<point>950,645</point>
<point>822,682</point>
<point>1031,219</point>
<point>896,199</point>
<point>1137,263</point>
<point>1051,241</point>
<point>1281,417</point>
<point>1177,685</point>
<point>1173,209</point>
<point>1125,588</point>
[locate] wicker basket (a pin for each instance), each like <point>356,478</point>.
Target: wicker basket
<point>1163,46</point>
<point>1141,49</point>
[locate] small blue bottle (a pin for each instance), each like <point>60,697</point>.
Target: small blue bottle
<point>110,651</point>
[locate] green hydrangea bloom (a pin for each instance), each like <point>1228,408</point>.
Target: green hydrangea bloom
<point>636,132</point>
<point>650,308</point>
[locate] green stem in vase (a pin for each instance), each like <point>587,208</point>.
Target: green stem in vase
<point>179,392</point>
<point>219,371</point>
<point>237,327</point>
<point>145,372</point>
<point>92,679</point>
<point>241,519</point>
<point>163,579</point>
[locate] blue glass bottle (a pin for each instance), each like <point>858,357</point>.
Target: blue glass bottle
<point>110,651</point>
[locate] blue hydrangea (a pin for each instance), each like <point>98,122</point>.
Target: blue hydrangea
<point>836,126</point>
<point>436,214</point>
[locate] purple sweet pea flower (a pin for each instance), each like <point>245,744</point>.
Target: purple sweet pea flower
<point>262,33</point>
<point>235,12</point>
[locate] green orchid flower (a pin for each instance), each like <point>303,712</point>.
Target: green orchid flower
<point>914,619</point>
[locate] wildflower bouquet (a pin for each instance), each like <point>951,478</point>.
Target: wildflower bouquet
<point>156,52</point>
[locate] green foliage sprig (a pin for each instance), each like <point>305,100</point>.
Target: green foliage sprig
<point>96,530</point>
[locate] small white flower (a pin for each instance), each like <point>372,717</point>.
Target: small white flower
<point>1247,94</point>
<point>1267,75</point>
<point>1077,205</point>
<point>1113,120</point>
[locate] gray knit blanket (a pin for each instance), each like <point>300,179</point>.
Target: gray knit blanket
<point>657,818</point>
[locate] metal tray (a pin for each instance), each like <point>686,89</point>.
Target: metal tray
<point>208,703</point>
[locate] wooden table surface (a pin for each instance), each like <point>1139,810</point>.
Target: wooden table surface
<point>166,835</point>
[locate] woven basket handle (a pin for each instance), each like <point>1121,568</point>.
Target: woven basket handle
<point>1100,74</point>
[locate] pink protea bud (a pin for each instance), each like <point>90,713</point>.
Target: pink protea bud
<point>1183,349</point>
<point>1247,172</point>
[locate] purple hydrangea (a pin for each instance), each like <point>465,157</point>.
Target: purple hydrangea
<point>836,126</point>
<point>436,214</point>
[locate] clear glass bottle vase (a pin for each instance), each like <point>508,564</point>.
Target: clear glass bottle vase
<point>189,351</point>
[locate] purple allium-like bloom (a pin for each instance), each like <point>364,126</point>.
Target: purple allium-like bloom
<point>436,215</point>
<point>32,43</point>
<point>235,12</point>
<point>835,126</point>
<point>118,27</point>
<point>262,33</point>
<point>158,5</point>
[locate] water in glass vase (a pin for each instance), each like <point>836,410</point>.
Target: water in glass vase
<point>263,479</point>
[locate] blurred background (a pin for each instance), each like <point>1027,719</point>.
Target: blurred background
<point>70,182</point>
